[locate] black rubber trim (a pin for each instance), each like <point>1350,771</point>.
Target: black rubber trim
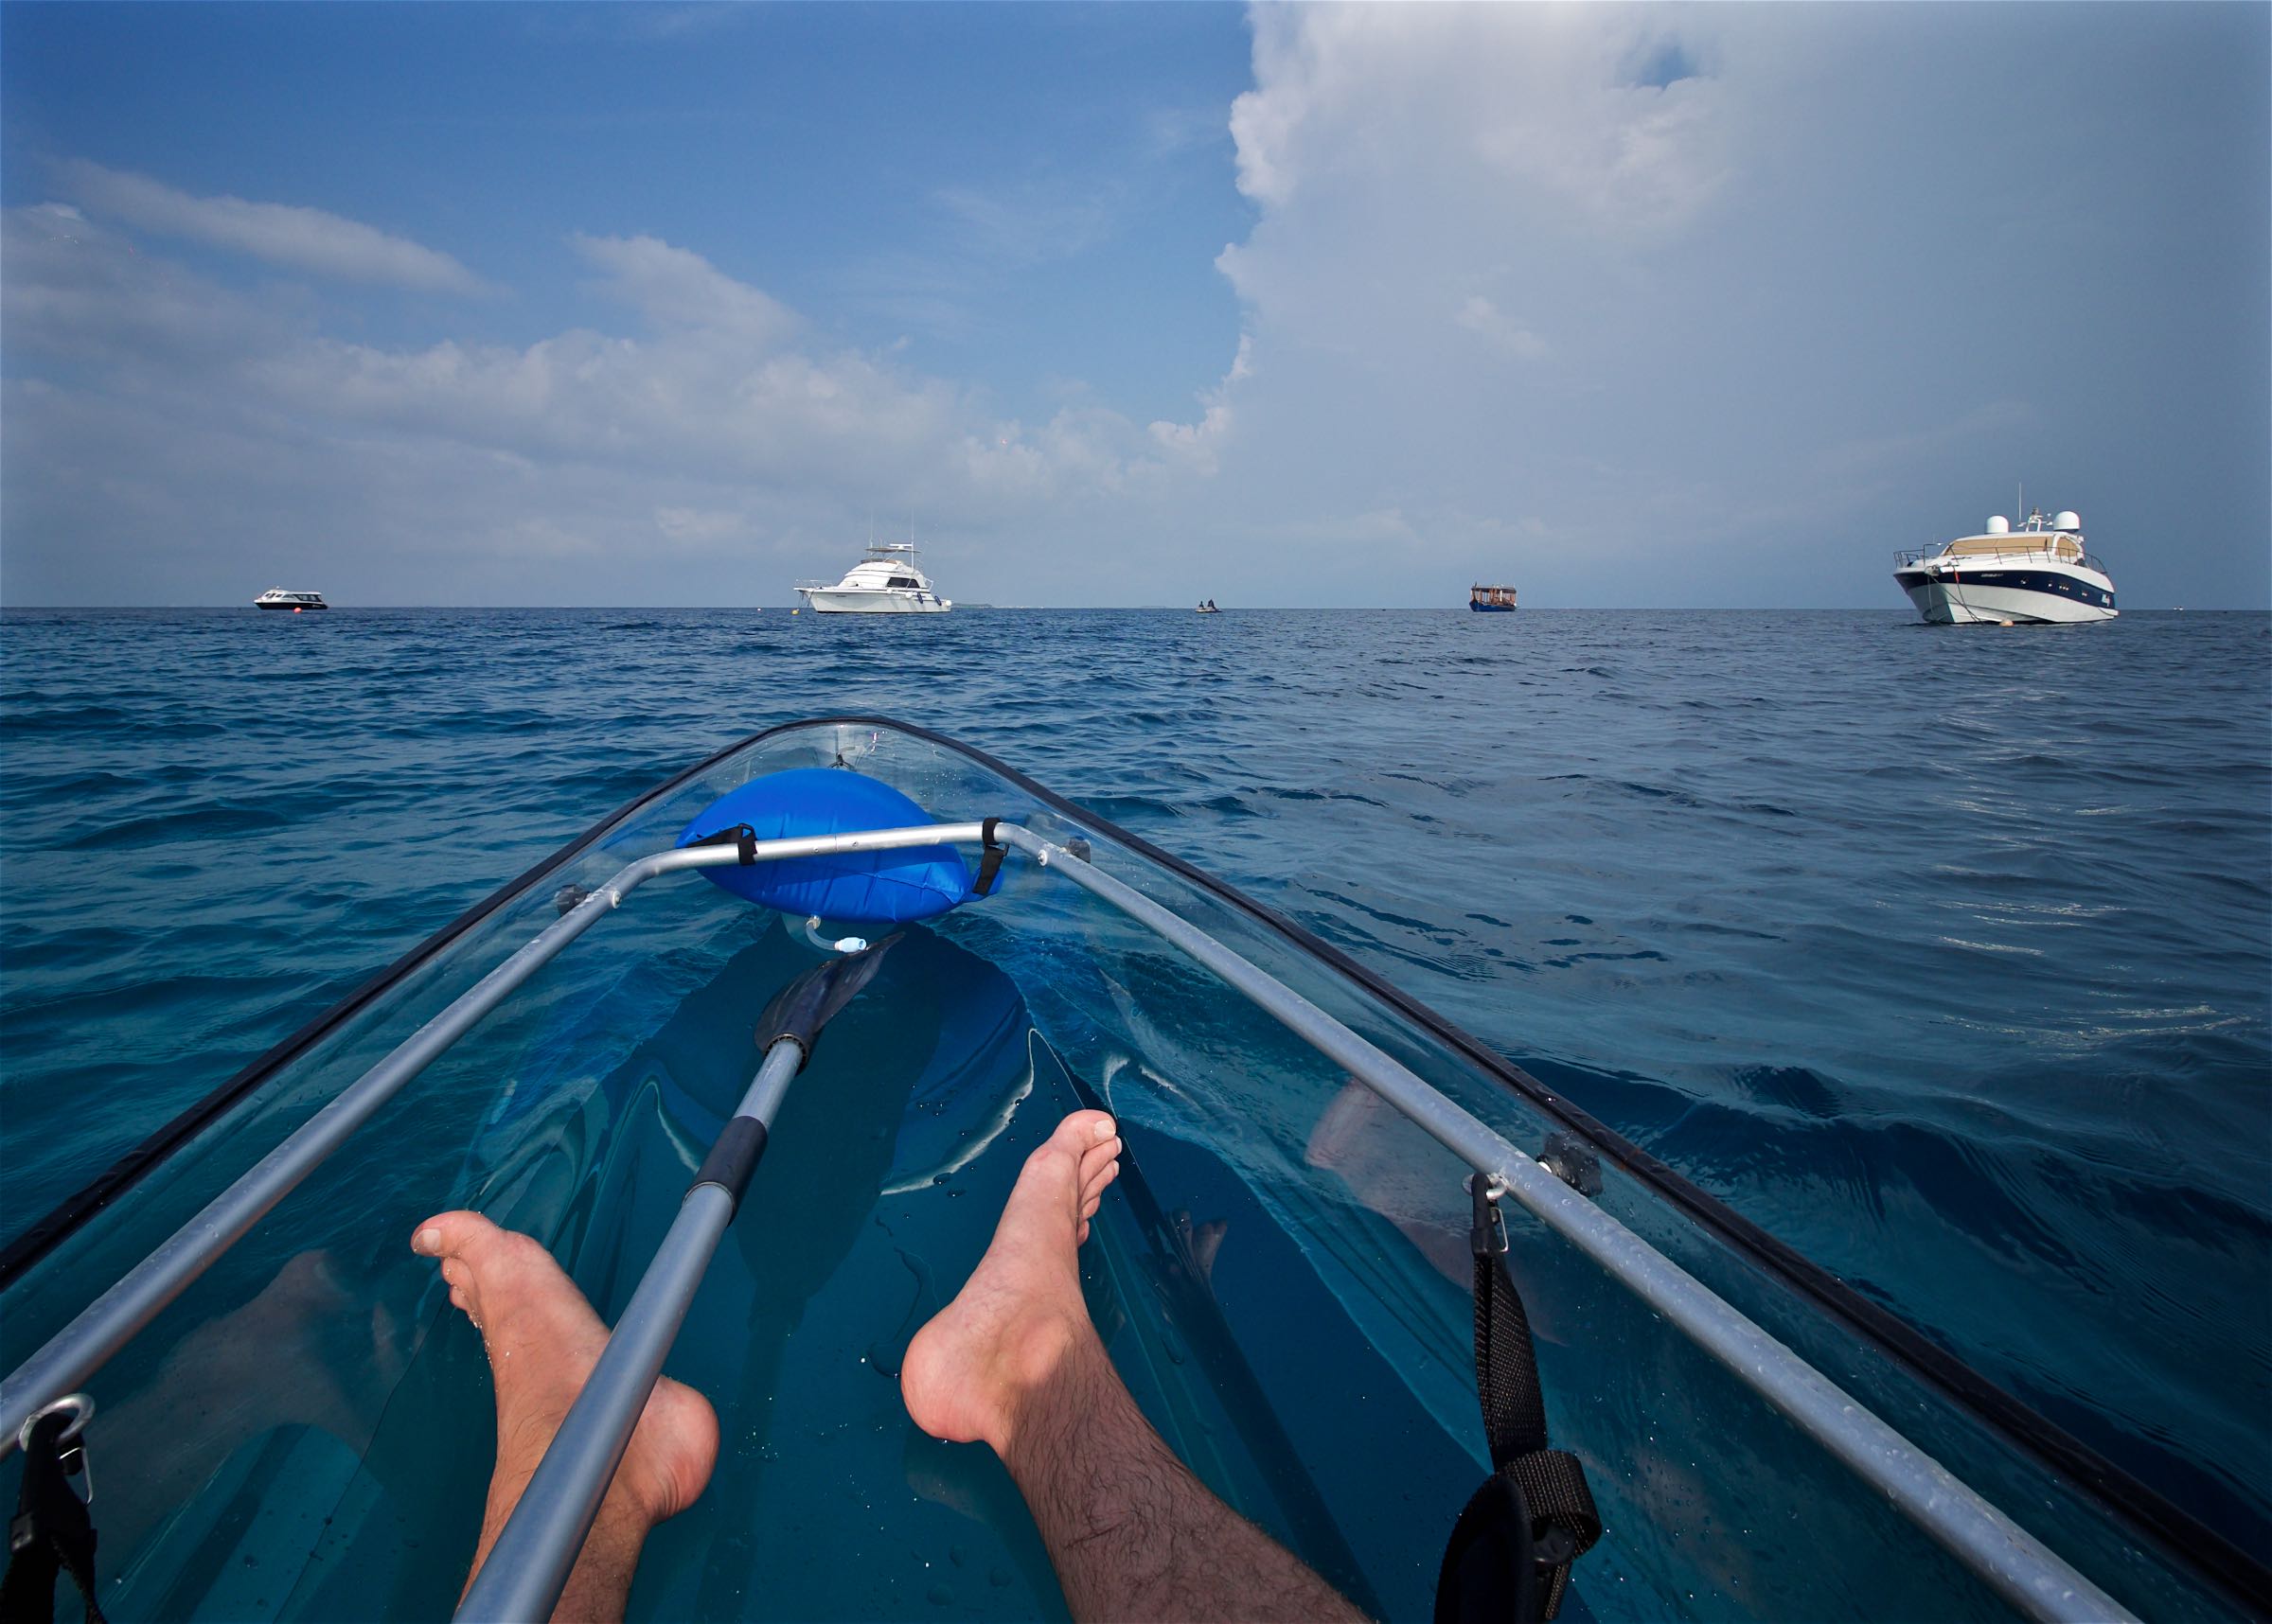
<point>2193,1543</point>
<point>732,1158</point>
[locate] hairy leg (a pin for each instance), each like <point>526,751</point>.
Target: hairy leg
<point>542,1340</point>
<point>1014,1363</point>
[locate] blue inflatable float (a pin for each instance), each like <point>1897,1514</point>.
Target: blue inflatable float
<point>865,887</point>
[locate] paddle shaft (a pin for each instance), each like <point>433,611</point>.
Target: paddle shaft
<point>528,1567</point>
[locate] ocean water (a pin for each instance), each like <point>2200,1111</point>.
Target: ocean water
<point>1944,953</point>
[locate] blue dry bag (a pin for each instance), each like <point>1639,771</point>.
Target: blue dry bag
<point>863,887</point>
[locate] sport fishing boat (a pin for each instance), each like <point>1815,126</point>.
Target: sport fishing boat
<point>1330,1200</point>
<point>279,598</point>
<point>2002,577</point>
<point>885,581</point>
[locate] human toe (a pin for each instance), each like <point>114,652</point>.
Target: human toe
<point>453,1235</point>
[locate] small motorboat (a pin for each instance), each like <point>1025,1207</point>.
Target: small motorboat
<point>283,598</point>
<point>1208,607</point>
<point>2039,573</point>
<point>292,1423</point>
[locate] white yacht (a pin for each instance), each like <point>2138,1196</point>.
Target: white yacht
<point>2039,572</point>
<point>278,598</point>
<point>885,581</point>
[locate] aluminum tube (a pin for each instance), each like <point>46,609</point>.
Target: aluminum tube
<point>2011,1562</point>
<point>529,1564</point>
<point>108,1323</point>
<point>81,1348</point>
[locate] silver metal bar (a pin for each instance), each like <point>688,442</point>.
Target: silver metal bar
<point>108,1323</point>
<point>526,1569</point>
<point>2011,1560</point>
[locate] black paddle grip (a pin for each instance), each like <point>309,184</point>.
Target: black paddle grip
<point>732,1158</point>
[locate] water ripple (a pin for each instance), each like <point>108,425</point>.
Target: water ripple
<point>1945,955</point>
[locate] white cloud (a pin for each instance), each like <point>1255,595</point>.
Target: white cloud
<point>699,524</point>
<point>676,288</point>
<point>1200,445</point>
<point>305,239</point>
<point>1344,95</point>
<point>719,432</point>
<point>1677,305</point>
<point>1479,315</point>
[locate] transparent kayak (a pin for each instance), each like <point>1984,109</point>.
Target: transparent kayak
<point>290,1421</point>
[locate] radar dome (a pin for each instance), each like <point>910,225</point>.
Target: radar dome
<point>2000,525</point>
<point>2067,518</point>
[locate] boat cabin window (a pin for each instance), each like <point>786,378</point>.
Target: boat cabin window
<point>903,581</point>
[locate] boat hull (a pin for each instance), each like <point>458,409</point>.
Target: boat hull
<point>292,607</point>
<point>1492,608</point>
<point>827,602</point>
<point>1990,597</point>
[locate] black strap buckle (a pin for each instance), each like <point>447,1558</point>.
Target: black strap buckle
<point>1487,1234</point>
<point>51,1533</point>
<point>990,860</point>
<point>739,835</point>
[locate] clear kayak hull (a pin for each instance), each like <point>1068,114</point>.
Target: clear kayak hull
<point>1282,1275</point>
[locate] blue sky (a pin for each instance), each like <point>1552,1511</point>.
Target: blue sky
<point>1710,306</point>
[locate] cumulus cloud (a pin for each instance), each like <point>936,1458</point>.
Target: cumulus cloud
<point>299,238</point>
<point>1200,445</point>
<point>714,430</point>
<point>1566,103</point>
<point>1619,302</point>
<point>1694,305</point>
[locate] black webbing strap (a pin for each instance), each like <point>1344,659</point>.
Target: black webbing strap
<point>51,1532</point>
<point>990,860</point>
<point>1510,1553</point>
<point>739,835</point>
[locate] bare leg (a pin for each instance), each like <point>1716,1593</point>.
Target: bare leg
<point>542,1340</point>
<point>1013,1361</point>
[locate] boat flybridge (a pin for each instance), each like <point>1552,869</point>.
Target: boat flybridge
<point>280,598</point>
<point>2039,572</point>
<point>886,581</point>
<point>1326,1191</point>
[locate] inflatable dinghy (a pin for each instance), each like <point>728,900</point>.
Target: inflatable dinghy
<point>227,1334</point>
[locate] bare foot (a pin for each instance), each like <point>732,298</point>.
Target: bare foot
<point>1020,1314</point>
<point>542,1340</point>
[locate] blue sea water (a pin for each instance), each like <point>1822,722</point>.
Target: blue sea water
<point>1944,954</point>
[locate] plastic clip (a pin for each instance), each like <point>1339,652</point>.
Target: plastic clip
<point>1487,1233</point>
<point>739,835</point>
<point>71,1450</point>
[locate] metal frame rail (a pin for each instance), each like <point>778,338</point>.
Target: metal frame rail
<point>113,1319</point>
<point>2009,1559</point>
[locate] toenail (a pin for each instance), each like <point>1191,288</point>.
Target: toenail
<point>427,1241</point>
<point>1103,1131</point>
